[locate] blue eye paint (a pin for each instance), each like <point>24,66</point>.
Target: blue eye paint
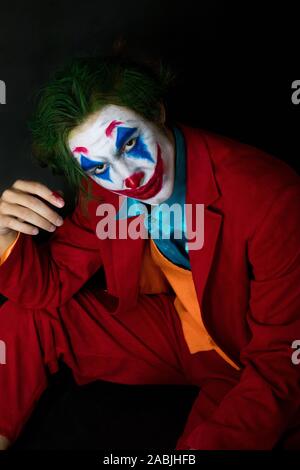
<point>140,150</point>
<point>105,175</point>
<point>87,164</point>
<point>123,135</point>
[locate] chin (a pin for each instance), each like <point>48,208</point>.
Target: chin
<point>162,196</point>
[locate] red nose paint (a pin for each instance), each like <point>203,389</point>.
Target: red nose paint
<point>133,181</point>
<point>153,186</point>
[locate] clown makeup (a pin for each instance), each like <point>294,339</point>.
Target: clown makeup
<point>125,153</point>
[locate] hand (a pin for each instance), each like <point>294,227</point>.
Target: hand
<point>21,210</point>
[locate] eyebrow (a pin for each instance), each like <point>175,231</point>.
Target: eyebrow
<point>124,134</point>
<point>80,150</point>
<point>88,164</point>
<point>111,126</point>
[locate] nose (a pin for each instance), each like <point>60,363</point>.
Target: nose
<point>133,181</point>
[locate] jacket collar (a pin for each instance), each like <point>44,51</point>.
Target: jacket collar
<point>201,184</point>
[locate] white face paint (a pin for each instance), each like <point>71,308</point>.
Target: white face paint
<point>125,153</point>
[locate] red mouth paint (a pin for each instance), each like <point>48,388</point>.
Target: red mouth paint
<point>153,186</point>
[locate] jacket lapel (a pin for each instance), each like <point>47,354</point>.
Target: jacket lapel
<point>127,261</point>
<point>122,258</point>
<point>201,189</point>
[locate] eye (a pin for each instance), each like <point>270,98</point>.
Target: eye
<point>100,168</point>
<point>130,144</point>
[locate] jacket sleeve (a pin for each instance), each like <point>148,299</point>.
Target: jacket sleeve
<point>256,412</point>
<point>47,275</point>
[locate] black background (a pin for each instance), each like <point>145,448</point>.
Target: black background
<point>235,62</point>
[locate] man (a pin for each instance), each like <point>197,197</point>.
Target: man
<point>222,316</point>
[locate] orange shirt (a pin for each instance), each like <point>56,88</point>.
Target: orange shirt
<point>157,273</point>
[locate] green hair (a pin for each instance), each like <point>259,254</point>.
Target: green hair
<point>79,89</point>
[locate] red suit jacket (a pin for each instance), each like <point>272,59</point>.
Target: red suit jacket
<point>247,278</point>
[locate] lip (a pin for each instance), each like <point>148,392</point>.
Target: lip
<point>153,186</point>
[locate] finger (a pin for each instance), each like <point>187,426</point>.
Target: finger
<point>36,205</point>
<point>59,193</point>
<point>39,189</point>
<point>14,224</point>
<point>26,215</point>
